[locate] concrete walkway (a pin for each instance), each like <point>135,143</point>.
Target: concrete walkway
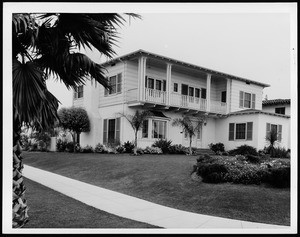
<point>135,208</point>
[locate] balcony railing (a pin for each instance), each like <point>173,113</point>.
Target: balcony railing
<point>155,96</point>
<point>188,101</point>
<point>177,100</point>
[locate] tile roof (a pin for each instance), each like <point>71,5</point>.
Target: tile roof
<point>276,102</point>
<point>256,111</point>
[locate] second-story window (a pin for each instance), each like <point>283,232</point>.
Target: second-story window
<point>203,93</point>
<point>156,84</point>
<point>175,89</point>
<point>115,83</point>
<point>280,110</point>
<point>78,93</point>
<point>247,100</point>
<point>223,96</point>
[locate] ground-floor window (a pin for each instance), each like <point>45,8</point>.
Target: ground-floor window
<point>111,131</point>
<point>159,129</point>
<point>275,127</point>
<point>240,131</point>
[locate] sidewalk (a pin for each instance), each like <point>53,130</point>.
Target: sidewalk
<point>135,208</point>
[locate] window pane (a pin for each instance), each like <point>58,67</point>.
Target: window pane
<point>154,129</point>
<point>191,91</point>
<point>111,130</point>
<point>203,93</point>
<point>175,87</point>
<point>240,131</point>
<point>247,101</point>
<point>184,89</point>
<point>158,85</point>
<point>150,83</point>
<point>223,97</point>
<point>160,130</point>
<point>145,129</point>
<point>197,92</point>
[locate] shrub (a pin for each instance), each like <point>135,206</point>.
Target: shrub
<point>212,172</point>
<point>178,149</point>
<point>120,149</point>
<point>70,147</point>
<point>278,152</point>
<point>25,142</point>
<point>99,148</point>
<point>139,151</point>
<point>244,150</point>
<point>253,159</point>
<point>87,149</point>
<point>129,146</point>
<point>152,150</point>
<point>61,145</point>
<point>217,148</point>
<point>279,177</point>
<point>163,144</point>
<point>205,159</point>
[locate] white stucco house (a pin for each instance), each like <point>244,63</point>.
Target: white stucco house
<point>233,106</point>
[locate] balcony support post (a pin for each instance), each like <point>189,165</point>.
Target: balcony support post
<point>208,85</point>
<point>228,92</point>
<point>141,75</point>
<point>169,83</point>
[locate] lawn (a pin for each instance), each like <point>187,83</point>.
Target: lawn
<point>51,209</point>
<point>166,180</point>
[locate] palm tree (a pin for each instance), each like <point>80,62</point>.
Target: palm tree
<point>271,138</point>
<point>49,45</point>
<point>189,126</point>
<point>136,121</point>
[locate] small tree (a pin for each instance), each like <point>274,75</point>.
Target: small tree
<point>136,121</point>
<point>271,138</point>
<point>75,120</point>
<point>189,126</point>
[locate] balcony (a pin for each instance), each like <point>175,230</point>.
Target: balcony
<point>186,101</point>
<point>177,100</point>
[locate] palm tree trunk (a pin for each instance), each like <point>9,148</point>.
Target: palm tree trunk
<point>20,216</point>
<point>135,143</point>
<point>190,148</point>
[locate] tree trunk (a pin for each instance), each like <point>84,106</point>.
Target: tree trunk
<point>74,141</point>
<point>19,205</point>
<point>135,144</point>
<point>190,148</point>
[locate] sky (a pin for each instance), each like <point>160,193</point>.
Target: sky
<point>254,44</point>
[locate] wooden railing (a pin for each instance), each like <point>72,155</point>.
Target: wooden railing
<point>155,96</point>
<point>218,107</point>
<point>188,101</point>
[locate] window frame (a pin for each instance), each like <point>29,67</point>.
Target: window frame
<point>78,91</point>
<point>248,133</point>
<point>243,101</point>
<point>280,112</point>
<point>116,88</point>
<point>158,121</point>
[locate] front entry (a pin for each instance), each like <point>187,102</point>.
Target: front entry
<point>196,141</point>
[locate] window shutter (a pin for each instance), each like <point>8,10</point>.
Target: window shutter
<point>253,101</point>
<point>231,131</point>
<point>241,99</point>
<point>119,82</point>
<point>105,131</point>
<point>268,129</point>
<point>249,130</point>
<point>118,125</point>
<point>106,89</point>
<point>279,133</point>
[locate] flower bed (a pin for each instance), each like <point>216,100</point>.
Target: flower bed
<point>243,170</point>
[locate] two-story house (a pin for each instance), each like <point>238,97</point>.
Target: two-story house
<point>171,89</point>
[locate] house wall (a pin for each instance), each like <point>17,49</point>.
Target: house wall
<point>271,108</point>
<point>285,122</point>
<point>115,98</point>
<point>131,80</point>
<point>222,130</point>
<point>237,86</point>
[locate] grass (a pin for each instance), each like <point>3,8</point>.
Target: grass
<point>166,180</point>
<point>51,209</point>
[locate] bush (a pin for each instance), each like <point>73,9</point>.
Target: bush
<point>178,149</point>
<point>139,151</point>
<point>217,148</point>
<point>99,148</point>
<point>278,152</point>
<point>87,149</point>
<point>120,149</point>
<point>128,146</point>
<point>61,145</point>
<point>244,150</point>
<point>253,159</point>
<point>205,159</point>
<point>152,150</point>
<point>163,144</point>
<point>279,177</point>
<point>212,173</point>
